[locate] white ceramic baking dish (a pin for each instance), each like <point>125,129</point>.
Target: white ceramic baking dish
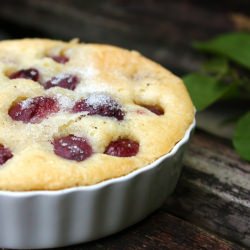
<point>49,219</point>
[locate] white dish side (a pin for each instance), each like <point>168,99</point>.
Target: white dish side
<point>49,219</point>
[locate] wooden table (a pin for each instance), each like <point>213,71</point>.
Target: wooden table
<point>210,208</point>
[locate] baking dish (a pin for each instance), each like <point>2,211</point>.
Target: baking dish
<point>49,219</point>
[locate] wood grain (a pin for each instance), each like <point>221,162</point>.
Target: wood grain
<point>160,231</point>
<point>214,189</point>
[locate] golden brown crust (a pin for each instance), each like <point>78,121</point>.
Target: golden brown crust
<point>129,77</point>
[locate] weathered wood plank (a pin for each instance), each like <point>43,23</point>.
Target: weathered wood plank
<point>160,231</point>
<point>214,189</point>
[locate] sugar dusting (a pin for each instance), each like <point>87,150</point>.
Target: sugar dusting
<point>26,103</point>
<point>88,72</point>
<point>92,87</point>
<point>98,99</point>
<point>74,149</point>
<point>65,102</point>
<point>57,79</point>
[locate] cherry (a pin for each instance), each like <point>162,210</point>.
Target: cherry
<point>5,154</point>
<point>60,59</point>
<point>33,110</point>
<point>99,104</point>
<point>64,81</point>
<point>31,74</point>
<point>122,148</point>
<point>72,148</point>
<point>154,109</point>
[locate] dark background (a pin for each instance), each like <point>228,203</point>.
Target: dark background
<point>162,30</point>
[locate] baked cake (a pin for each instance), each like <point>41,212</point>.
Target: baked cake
<point>75,114</point>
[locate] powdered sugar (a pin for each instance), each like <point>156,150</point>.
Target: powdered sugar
<point>87,72</point>
<point>57,79</point>
<point>74,149</point>
<point>90,87</point>
<point>26,103</point>
<point>65,102</point>
<point>33,110</point>
<point>98,99</point>
<point>99,103</point>
<point>66,81</point>
<point>90,72</point>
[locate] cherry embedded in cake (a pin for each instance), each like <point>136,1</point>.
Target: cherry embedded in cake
<point>60,59</point>
<point>72,147</point>
<point>5,154</point>
<point>33,110</point>
<point>122,148</point>
<point>99,104</point>
<point>66,81</point>
<point>30,73</point>
<point>83,119</point>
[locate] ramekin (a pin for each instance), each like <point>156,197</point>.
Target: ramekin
<point>49,219</point>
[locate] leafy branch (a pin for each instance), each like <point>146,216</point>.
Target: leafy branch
<point>226,76</point>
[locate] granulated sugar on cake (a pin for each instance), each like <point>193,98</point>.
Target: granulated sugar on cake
<point>26,103</point>
<point>65,102</point>
<point>99,99</point>
<point>57,79</point>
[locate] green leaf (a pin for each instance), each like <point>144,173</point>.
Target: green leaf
<point>218,66</point>
<point>204,90</point>
<point>235,46</point>
<point>241,139</point>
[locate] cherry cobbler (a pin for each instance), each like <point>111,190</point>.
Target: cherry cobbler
<point>77,114</point>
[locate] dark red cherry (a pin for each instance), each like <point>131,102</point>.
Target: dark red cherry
<point>31,74</point>
<point>5,154</point>
<point>72,148</point>
<point>154,109</point>
<point>99,104</point>
<point>60,59</point>
<point>33,110</point>
<point>122,148</point>
<point>64,81</point>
